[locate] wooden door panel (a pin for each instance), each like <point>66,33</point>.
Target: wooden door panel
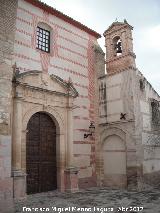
<point>41,154</point>
<point>48,177</point>
<point>33,178</point>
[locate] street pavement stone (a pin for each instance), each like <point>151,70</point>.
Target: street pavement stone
<point>94,200</point>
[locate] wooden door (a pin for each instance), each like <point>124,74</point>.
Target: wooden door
<point>41,154</point>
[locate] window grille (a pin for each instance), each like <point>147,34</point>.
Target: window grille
<point>43,40</point>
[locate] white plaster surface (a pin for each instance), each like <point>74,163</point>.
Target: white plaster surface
<point>82,161</point>
<point>151,166</point>
<point>114,155</point>
<point>73,37</point>
<point>72,46</point>
<point>85,172</point>
<point>146,122</point>
<point>144,106</point>
<point>116,166</point>
<point>24,26</point>
<point>79,149</point>
<point>113,80</point>
<point>73,56</point>
<point>115,107</point>
<point>113,93</point>
<point>29,7</point>
<point>25,16</point>
<point>151,152</point>
<point>22,38</point>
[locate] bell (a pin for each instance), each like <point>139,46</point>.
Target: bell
<point>119,50</point>
<point>119,47</point>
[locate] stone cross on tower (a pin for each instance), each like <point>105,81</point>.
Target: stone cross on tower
<point>119,47</point>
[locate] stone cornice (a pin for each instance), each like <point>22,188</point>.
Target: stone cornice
<point>122,70</point>
<point>116,122</point>
<point>116,58</point>
<point>24,85</point>
<point>116,26</point>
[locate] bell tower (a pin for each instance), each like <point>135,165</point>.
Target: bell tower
<point>119,47</point>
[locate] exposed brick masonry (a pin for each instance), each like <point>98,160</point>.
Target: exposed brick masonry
<point>7,31</point>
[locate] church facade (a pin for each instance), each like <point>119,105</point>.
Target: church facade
<point>66,123</point>
<point>48,101</point>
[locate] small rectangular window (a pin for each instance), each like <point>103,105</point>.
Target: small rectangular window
<point>43,39</point>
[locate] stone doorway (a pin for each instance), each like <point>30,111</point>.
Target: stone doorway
<point>44,165</point>
<point>41,154</point>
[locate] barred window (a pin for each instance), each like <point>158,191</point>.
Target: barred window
<point>43,39</point>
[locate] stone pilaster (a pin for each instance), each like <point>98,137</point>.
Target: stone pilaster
<point>19,177</point>
<point>70,137</point>
<point>17,128</point>
<point>71,172</point>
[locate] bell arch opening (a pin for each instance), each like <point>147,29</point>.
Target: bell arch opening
<point>117,45</point>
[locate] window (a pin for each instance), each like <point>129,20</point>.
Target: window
<point>142,84</point>
<point>43,39</point>
<point>102,91</point>
<point>155,112</point>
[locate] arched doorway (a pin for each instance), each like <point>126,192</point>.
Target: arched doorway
<point>114,162</point>
<point>41,154</point>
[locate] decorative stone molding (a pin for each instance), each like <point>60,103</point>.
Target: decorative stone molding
<point>106,132</point>
<point>34,92</point>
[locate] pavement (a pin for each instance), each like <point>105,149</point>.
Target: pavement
<point>94,200</point>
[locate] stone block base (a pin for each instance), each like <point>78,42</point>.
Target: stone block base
<point>151,180</point>
<point>6,195</point>
<point>85,183</point>
<point>19,184</point>
<point>115,181</point>
<point>133,174</point>
<point>7,206</point>
<point>71,180</point>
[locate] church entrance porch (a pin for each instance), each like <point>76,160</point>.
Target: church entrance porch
<point>41,165</point>
<point>42,134</point>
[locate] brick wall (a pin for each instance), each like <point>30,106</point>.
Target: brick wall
<point>7,26</point>
<point>7,30</point>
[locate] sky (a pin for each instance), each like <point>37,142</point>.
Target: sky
<point>143,15</point>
